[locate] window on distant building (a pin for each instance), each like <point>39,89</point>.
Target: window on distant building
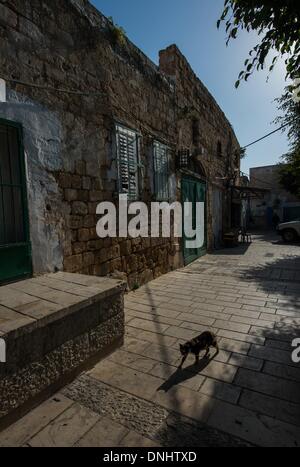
<point>161,171</point>
<point>128,161</point>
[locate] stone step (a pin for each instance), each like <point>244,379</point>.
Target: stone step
<point>52,327</point>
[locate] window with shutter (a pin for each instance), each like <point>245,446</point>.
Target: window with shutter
<point>161,171</point>
<point>128,166</point>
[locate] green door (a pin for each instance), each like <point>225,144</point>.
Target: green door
<point>15,249</point>
<point>194,191</point>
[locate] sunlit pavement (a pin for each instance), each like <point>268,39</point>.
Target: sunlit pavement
<point>247,394</point>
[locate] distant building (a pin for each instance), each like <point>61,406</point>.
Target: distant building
<point>275,201</point>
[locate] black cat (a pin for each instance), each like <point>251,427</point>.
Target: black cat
<point>203,342</point>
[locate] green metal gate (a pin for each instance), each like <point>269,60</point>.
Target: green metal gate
<point>193,191</point>
<point>15,248</point>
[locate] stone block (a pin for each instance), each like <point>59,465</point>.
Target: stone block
<point>92,208</point>
<point>283,410</point>
<point>79,208</point>
<point>65,180</point>
<point>73,263</point>
<point>96,196</point>
<point>273,355</point>
<point>125,248</point>
<point>220,390</point>
<point>79,247</point>
<point>75,222</point>
<point>88,259</point>
<point>253,427</point>
<point>232,326</point>
<point>282,371</point>
<point>244,361</point>
<point>89,221</point>
<point>20,432</point>
<point>106,433</point>
<point>76,182</point>
<point>80,167</point>
<point>83,195</point>
<point>268,385</point>
<point>66,429</point>
<point>86,183</point>
<point>84,235</point>
<point>71,195</point>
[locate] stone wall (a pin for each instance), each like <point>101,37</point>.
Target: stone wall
<point>204,129</point>
<point>67,45</point>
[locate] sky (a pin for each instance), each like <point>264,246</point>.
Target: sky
<point>152,25</point>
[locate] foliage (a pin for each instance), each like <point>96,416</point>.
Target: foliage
<point>277,24</point>
<point>290,117</point>
<point>117,32</point>
<point>289,170</point>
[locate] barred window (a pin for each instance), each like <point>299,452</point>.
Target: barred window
<point>128,161</point>
<point>161,171</point>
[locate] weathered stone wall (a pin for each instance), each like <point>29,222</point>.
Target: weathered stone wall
<point>203,128</point>
<point>69,136</point>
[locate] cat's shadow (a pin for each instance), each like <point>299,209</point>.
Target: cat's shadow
<point>184,374</point>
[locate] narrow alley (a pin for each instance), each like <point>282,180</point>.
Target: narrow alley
<point>246,395</point>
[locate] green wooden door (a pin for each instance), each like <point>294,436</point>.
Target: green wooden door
<point>15,249</point>
<point>194,191</point>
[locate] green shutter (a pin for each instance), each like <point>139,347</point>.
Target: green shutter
<point>161,171</point>
<point>127,154</point>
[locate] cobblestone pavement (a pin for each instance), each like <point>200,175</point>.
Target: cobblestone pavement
<point>248,394</point>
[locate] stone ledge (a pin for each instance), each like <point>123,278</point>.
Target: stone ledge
<point>53,326</point>
<point>39,301</point>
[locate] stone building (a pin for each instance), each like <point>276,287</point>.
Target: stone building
<point>85,115</point>
<point>276,200</point>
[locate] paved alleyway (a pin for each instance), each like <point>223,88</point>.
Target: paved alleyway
<point>248,394</point>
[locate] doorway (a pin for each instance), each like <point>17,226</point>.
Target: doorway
<point>194,191</point>
<point>15,247</point>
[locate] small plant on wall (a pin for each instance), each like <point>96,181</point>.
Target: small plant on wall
<point>118,34</point>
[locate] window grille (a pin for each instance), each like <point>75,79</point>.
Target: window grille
<point>184,158</point>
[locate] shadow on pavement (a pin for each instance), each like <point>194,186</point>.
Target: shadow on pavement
<point>184,374</point>
<point>282,275</point>
<point>239,250</point>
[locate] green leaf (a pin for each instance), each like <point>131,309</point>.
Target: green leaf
<point>234,32</point>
